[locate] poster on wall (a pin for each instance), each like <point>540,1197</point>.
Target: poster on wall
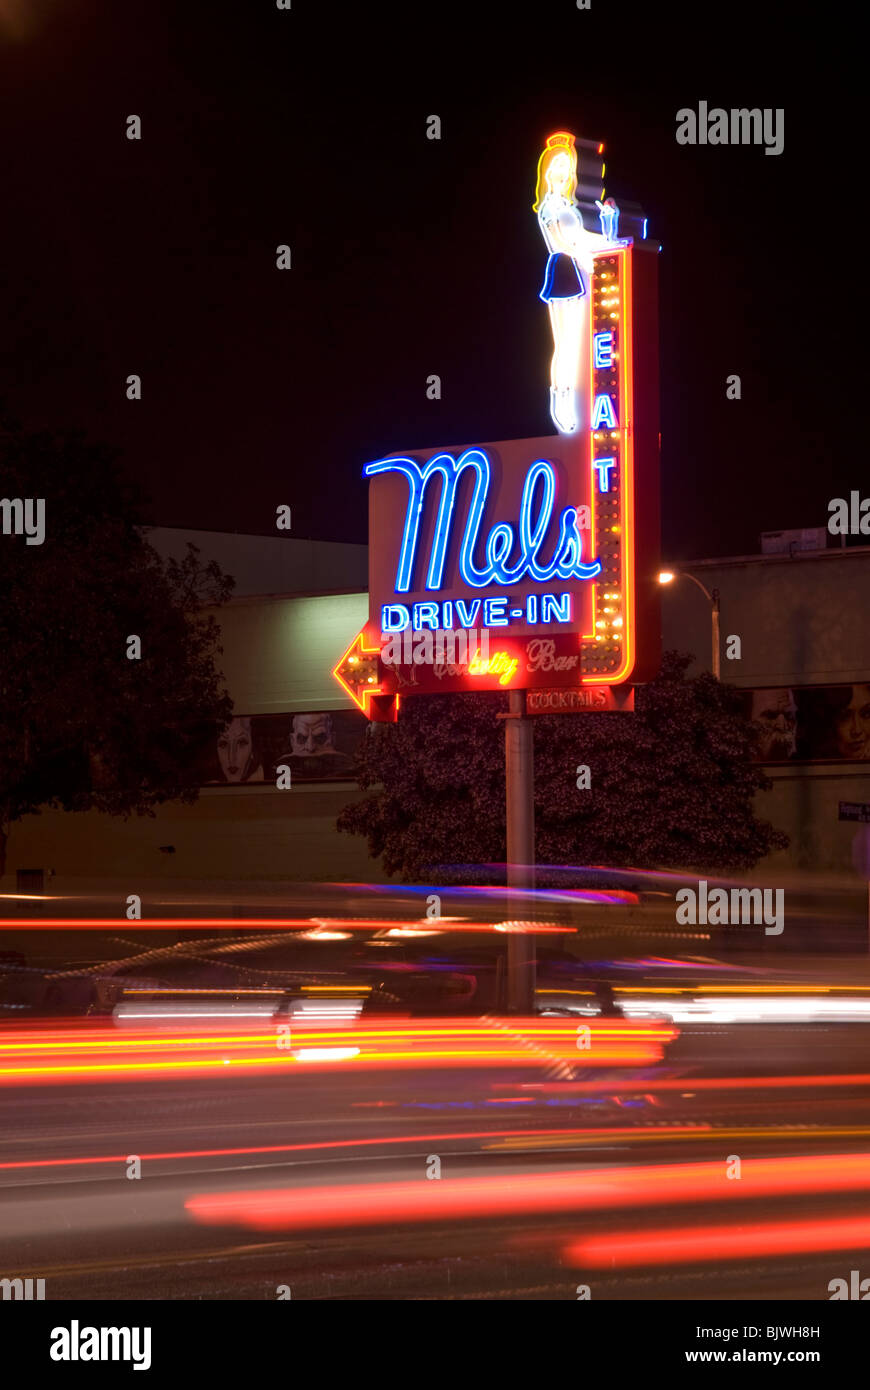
<point>819,723</point>
<point>317,746</point>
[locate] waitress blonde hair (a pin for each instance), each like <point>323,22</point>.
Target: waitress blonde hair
<point>560,143</point>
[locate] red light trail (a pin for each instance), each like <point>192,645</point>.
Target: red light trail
<point>499,1195</point>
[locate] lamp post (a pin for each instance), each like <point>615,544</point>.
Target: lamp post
<point>668,576</point>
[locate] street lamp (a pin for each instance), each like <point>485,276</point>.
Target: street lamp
<point>668,577</point>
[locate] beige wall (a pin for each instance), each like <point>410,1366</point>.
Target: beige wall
<point>802,621</point>
<point>804,802</point>
<point>230,833</point>
<point>279,653</point>
<point>278,656</point>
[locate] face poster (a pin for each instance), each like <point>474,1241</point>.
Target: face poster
<point>317,747</point>
<point>820,723</point>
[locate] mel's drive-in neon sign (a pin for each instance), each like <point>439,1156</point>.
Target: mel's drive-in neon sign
<point>546,546</point>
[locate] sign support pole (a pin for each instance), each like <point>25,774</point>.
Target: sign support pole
<point>520,795</point>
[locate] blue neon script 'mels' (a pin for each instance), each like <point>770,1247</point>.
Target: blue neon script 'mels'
<point>567,558</point>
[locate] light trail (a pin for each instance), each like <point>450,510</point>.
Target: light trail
<point>688,1130</point>
<point>317,1145</point>
<point>104,1054</point>
<point>688,1086</point>
<point>699,1244</point>
<point>498,1195</point>
<point>278,924</point>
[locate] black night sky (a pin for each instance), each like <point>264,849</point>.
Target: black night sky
<point>410,257</point>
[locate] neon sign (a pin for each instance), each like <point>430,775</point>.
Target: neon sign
<point>602,350</point>
<point>568,275</point>
<point>566,562</point>
<point>602,413</point>
<point>534,609</point>
<point>608,214</point>
<point>502,664</point>
<point>550,542</point>
<point>602,468</point>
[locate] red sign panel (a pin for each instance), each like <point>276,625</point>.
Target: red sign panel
<point>596,699</point>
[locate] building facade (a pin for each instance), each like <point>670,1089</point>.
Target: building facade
<point>793,635</point>
<point>296,607</point>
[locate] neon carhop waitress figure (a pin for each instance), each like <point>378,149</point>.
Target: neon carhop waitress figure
<point>567,279</point>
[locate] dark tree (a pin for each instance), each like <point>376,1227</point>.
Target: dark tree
<point>672,785</point>
<point>440,770</point>
<point>83,726</point>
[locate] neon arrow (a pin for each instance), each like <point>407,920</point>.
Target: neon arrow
<point>357,672</point>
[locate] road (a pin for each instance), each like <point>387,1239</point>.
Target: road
<point>505,1163</point>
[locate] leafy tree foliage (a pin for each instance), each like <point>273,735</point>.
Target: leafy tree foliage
<point>81,725</point>
<point>672,785</point>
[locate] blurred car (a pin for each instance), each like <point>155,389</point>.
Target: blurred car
<point>404,970</point>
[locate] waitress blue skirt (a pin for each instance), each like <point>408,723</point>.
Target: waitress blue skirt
<point>562,279</point>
